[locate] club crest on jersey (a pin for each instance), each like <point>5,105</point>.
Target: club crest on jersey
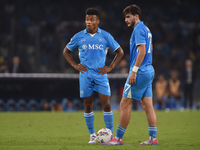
<point>100,40</point>
<point>84,47</point>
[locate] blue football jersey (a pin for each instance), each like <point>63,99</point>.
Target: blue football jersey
<point>93,48</point>
<point>141,35</point>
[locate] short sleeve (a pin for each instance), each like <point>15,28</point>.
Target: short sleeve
<point>112,44</point>
<point>73,43</point>
<point>140,37</point>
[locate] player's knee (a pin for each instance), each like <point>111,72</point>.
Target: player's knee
<point>88,107</point>
<point>148,107</point>
<point>106,107</point>
<point>124,104</point>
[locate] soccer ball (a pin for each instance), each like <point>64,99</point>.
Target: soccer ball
<point>104,135</point>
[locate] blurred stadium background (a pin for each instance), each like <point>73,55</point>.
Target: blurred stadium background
<point>37,32</point>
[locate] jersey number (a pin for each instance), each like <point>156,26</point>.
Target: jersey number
<point>149,36</point>
<point>127,87</point>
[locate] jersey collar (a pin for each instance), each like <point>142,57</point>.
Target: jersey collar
<point>141,22</point>
<point>98,30</point>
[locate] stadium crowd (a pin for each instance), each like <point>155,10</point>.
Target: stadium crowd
<point>37,31</point>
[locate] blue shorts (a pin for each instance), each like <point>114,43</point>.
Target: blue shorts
<point>142,87</point>
<point>90,81</point>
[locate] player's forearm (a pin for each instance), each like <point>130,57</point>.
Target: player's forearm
<point>118,57</point>
<point>141,55</point>
<point>68,57</point>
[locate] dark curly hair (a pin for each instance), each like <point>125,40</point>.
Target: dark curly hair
<point>92,11</point>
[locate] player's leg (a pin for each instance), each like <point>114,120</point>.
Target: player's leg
<point>88,104</point>
<point>102,87</point>
<point>105,102</point>
<point>130,94</point>
<point>125,113</point>
<point>149,110</point>
<point>89,118</point>
<point>107,112</point>
<point>147,104</point>
<point>143,106</point>
<point>86,92</point>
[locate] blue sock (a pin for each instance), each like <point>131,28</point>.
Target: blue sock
<point>120,131</point>
<point>89,119</point>
<point>152,131</point>
<point>108,119</point>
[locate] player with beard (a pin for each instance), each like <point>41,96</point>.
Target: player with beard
<point>139,82</point>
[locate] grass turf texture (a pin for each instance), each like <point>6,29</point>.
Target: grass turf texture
<point>66,131</point>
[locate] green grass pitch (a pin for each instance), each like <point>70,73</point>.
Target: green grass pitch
<point>66,131</point>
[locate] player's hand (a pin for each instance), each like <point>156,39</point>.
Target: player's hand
<point>81,68</point>
<point>132,78</point>
<point>104,70</point>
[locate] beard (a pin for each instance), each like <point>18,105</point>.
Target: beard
<point>131,24</point>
